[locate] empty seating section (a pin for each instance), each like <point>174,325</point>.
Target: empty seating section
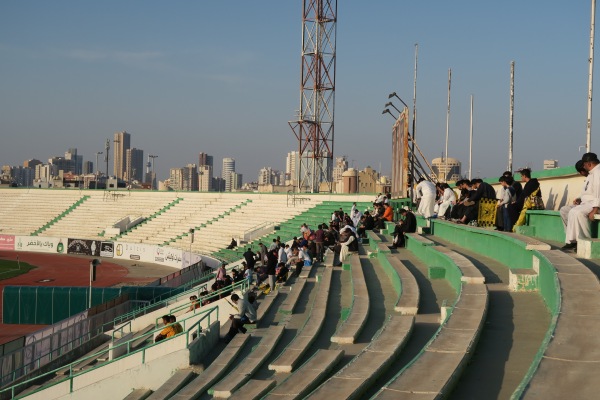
<point>103,210</point>
<point>267,211</point>
<point>191,212</point>
<point>25,211</point>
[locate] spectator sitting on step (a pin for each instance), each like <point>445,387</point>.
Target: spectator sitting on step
<point>388,214</point>
<point>408,224</point>
<point>168,330</point>
<point>232,245</point>
<point>176,325</point>
<point>367,224</point>
<point>447,199</point>
<point>564,210</point>
<point>347,244</point>
<point>195,304</point>
<point>282,272</point>
<point>245,314</point>
<point>580,217</point>
<point>482,190</point>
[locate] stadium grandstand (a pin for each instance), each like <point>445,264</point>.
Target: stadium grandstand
<point>460,312</point>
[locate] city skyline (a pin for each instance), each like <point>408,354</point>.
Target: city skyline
<point>181,89</point>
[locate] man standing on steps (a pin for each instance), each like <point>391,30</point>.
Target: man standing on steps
<point>580,217</point>
<point>426,192</point>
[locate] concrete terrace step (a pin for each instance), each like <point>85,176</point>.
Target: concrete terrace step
<point>409,301</point>
<point>434,372</point>
<point>292,298</point>
<point>308,376</point>
<point>254,389</point>
<point>287,361</point>
<point>470,273</point>
<point>173,384</point>
<point>423,241</point>
<point>138,394</point>
<point>351,328</point>
<point>530,242</point>
<point>265,305</point>
<point>352,380</point>
<point>244,371</point>
<point>574,346</point>
<point>215,370</point>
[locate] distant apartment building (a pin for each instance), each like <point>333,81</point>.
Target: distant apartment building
<point>31,163</point>
<point>341,166</point>
<point>291,167</point>
<point>45,172</point>
<point>184,179</point>
<point>269,176</point>
<point>205,172</point>
<point>88,167</point>
<point>550,164</point>
<point>205,178</point>
<point>236,181</point>
<point>76,161</point>
<point>122,142</point>
<point>227,171</point>
<point>134,164</point>
<point>18,175</point>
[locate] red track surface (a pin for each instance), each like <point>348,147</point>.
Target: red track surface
<point>64,271</point>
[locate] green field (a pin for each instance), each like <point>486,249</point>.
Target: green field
<point>10,269</point>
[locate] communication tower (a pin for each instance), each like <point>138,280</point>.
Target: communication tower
<point>314,127</point>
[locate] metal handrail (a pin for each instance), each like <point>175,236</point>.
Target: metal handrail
<point>127,343</point>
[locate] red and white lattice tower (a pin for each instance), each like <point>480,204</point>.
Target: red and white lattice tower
<point>314,127</point>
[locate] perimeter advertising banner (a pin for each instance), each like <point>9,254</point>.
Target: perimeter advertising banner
<point>40,244</point>
<point>84,247</point>
<point>149,253</point>
<point>7,242</point>
<point>107,249</point>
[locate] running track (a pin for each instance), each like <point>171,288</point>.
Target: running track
<point>64,271</point>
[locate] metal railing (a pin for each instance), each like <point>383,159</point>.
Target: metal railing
<point>212,314</point>
<point>54,343</point>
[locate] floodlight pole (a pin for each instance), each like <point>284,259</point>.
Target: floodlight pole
<point>414,128</point>
<point>471,141</point>
<point>588,142</point>
<point>511,116</point>
<point>447,126</point>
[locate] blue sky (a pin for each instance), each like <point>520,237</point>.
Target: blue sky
<point>223,78</point>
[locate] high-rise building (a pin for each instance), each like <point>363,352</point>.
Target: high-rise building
<point>228,169</point>
<point>88,168</point>
<point>292,162</point>
<point>31,163</point>
<point>185,178</point>
<point>235,181</point>
<point>134,164</point>
<point>205,172</point>
<point>176,178</point>
<point>205,159</point>
<point>122,142</point>
<point>45,172</point>
<point>190,177</point>
<point>269,176</point>
<point>205,178</point>
<point>76,161</point>
<point>341,165</point>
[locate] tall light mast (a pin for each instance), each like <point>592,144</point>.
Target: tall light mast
<point>315,125</point>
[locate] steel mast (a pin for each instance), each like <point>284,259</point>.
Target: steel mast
<point>315,125</point>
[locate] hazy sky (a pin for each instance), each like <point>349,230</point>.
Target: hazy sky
<point>223,77</point>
